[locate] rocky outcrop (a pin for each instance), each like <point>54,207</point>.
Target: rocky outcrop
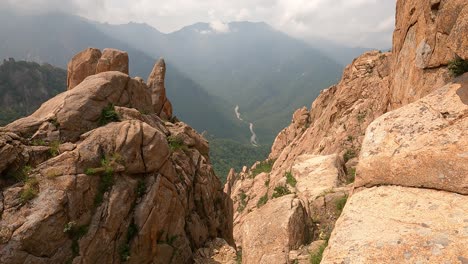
<point>92,101</point>
<point>393,224</point>
<point>409,196</point>
<point>340,114</point>
<point>91,61</point>
<point>428,34</point>
<point>423,144</point>
<point>161,105</point>
<point>119,185</point>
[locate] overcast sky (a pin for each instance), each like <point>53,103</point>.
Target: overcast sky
<point>365,23</point>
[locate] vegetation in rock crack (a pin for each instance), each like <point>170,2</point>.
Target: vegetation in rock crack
<point>267,182</point>
<point>108,115</point>
<point>340,203</point>
<point>349,154</point>
<point>351,175</point>
<point>176,143</point>
<point>316,257</point>
<point>280,191</point>
<point>458,66</point>
<point>106,172</point>
<point>75,233</point>
<point>54,148</point>
<point>290,179</point>
<point>124,249</point>
<point>262,201</point>
<point>30,190</point>
<point>264,166</point>
<point>242,201</point>
<point>141,188</point>
<point>38,142</point>
<point>239,256</point>
<point>361,116</point>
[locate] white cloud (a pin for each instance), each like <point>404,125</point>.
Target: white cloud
<point>352,22</point>
<point>219,27</point>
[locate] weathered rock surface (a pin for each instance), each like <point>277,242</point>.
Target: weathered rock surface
<point>162,106</point>
<point>269,239</point>
<point>428,34</point>
<point>423,144</point>
<point>108,193</point>
<point>113,60</point>
<point>79,110</point>
<point>217,251</point>
<point>392,224</point>
<point>91,61</point>
<point>341,113</point>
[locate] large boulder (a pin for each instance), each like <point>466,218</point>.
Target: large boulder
<point>423,144</point>
<point>91,61</point>
<point>269,239</point>
<point>428,34</point>
<point>392,224</point>
<point>81,109</point>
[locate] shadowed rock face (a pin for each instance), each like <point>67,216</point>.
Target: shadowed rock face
<point>132,189</point>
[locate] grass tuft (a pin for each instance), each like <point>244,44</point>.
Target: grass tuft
<point>108,115</point>
<point>290,179</point>
<point>458,66</point>
<point>280,191</point>
<point>262,201</point>
<point>264,166</point>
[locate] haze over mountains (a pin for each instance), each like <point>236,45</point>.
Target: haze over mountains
<point>212,68</point>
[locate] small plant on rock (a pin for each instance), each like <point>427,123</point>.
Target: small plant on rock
<point>349,154</point>
<point>108,115</point>
<point>340,203</point>
<point>75,233</point>
<point>264,166</point>
<point>262,201</point>
<point>176,143</point>
<point>316,257</point>
<point>30,190</point>
<point>290,179</point>
<point>280,191</point>
<point>54,148</point>
<point>242,201</point>
<point>458,66</point>
<point>351,173</point>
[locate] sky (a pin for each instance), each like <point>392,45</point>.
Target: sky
<point>354,23</point>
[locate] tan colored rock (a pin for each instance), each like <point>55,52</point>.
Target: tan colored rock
<point>423,144</point>
<point>91,61</point>
<point>427,36</point>
<point>393,224</point>
<point>156,79</point>
<point>81,66</point>
<point>113,60</point>
<point>341,113</point>
<point>300,122</point>
<point>79,110</point>
<point>269,239</point>
<point>217,251</point>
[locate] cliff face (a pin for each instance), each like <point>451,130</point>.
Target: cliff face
<point>388,137</point>
<point>96,175</point>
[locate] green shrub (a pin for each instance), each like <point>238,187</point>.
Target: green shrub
<point>38,142</point>
<point>141,188</point>
<point>262,201</point>
<point>340,203</point>
<point>267,182</point>
<point>351,175</point>
<point>316,257</point>
<point>108,115</point>
<point>290,179</point>
<point>239,256</point>
<point>458,66</point>
<point>349,154</point>
<point>75,233</point>
<point>264,166</point>
<point>124,249</point>
<point>176,143</point>
<point>54,148</point>
<point>280,191</point>
<point>106,172</point>
<point>242,201</point>
<point>30,190</point>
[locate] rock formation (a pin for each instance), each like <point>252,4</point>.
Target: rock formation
<point>396,124</point>
<point>162,106</point>
<point>96,176</point>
